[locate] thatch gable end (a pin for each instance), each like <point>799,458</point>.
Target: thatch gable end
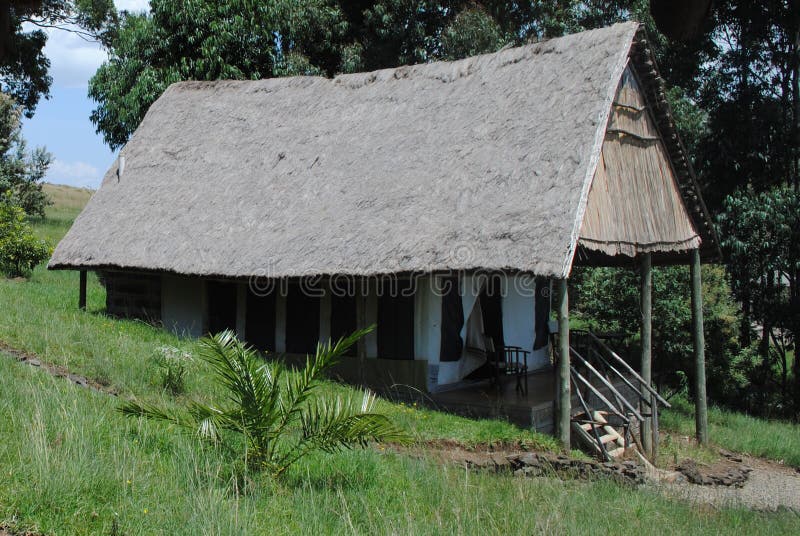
<point>480,163</point>
<point>635,205</point>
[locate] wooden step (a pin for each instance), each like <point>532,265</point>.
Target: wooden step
<point>608,438</point>
<point>617,452</point>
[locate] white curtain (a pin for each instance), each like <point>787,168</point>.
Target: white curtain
<point>473,355</point>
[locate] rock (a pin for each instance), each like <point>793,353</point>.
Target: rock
<point>714,475</point>
<point>78,380</point>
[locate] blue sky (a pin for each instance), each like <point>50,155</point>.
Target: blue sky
<point>62,123</point>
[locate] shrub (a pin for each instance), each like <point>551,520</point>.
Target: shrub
<point>20,250</point>
<point>273,418</point>
<point>172,363</point>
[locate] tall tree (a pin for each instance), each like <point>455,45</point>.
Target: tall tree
<point>23,65</point>
<point>21,170</point>
<point>750,92</point>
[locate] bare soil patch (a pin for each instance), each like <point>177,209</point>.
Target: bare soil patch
<point>769,485</point>
<point>55,370</point>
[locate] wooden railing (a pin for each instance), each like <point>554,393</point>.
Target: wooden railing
<point>596,369</point>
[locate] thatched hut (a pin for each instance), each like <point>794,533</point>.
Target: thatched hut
<point>297,209</point>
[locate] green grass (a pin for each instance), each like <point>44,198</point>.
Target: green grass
<point>67,204</point>
<point>737,432</point>
<point>70,463</point>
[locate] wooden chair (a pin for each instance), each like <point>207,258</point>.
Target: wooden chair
<point>513,361</point>
<point>516,363</point>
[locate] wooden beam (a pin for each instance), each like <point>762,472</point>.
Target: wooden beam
<point>646,369</point>
<point>700,402</point>
<point>564,396</point>
<point>82,291</point>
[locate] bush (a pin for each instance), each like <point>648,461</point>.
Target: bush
<point>20,250</point>
<point>172,363</point>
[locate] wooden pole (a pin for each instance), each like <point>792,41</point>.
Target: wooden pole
<point>647,343</point>
<point>564,396</point>
<point>82,291</point>
<point>700,403</point>
<point>654,405</point>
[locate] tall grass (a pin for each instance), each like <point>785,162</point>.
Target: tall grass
<point>70,464</point>
<point>738,432</point>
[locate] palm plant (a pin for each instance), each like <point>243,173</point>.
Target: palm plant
<point>280,415</point>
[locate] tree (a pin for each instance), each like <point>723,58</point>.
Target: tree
<point>208,40</point>
<point>20,250</point>
<point>749,90</point>
<point>23,65</point>
<point>271,417</point>
<point>761,240</point>
<point>21,172</point>
<point>606,300</point>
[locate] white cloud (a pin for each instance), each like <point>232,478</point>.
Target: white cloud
<point>134,6</point>
<point>73,59</point>
<point>74,174</point>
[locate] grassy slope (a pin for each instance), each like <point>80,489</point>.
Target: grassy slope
<point>69,463</point>
<point>740,433</point>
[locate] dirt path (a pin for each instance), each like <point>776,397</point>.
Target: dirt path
<point>769,486</point>
<point>766,485</point>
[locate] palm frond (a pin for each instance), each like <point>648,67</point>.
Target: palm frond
<point>345,422</point>
<point>251,385</point>
<point>300,386</point>
<point>132,408</point>
<point>279,415</point>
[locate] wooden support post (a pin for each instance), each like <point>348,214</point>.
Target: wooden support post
<point>700,403</point>
<point>564,396</point>
<point>647,344</point>
<point>654,405</point>
<point>82,291</point>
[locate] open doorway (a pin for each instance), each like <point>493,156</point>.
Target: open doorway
<point>221,300</point>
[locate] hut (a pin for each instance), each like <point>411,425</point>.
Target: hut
<point>442,202</point>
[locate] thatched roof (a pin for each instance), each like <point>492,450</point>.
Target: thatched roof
<point>480,163</point>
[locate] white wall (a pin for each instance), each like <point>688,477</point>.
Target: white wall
<point>182,305</point>
<point>518,319</point>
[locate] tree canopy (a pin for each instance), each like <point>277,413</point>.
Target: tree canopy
<point>23,65</point>
<point>240,39</point>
